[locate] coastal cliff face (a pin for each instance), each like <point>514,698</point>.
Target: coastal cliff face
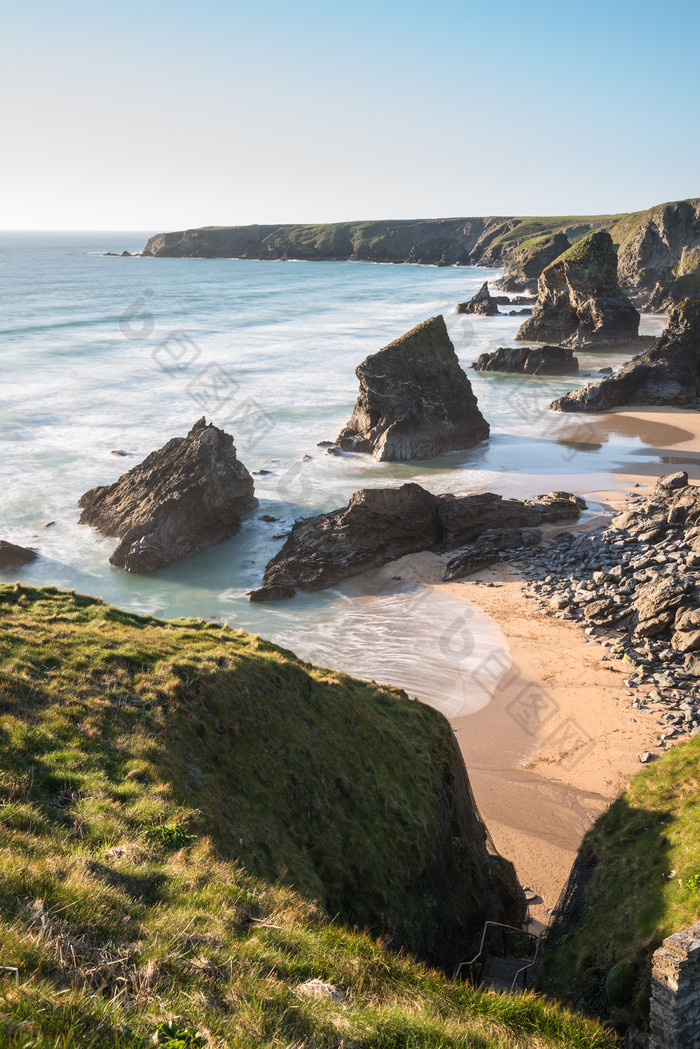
<point>443,242</point>
<point>659,253</point>
<point>439,241</point>
<point>236,242</point>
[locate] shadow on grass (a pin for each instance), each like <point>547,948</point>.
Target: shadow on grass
<point>610,917</point>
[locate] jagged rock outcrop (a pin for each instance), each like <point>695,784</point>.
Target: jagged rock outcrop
<point>13,556</point>
<point>415,401</point>
<point>185,497</point>
<point>481,303</point>
<point>524,265</point>
<point>381,524</point>
<point>667,374</point>
<point>659,254</point>
<point>546,360</point>
<point>579,302</point>
<point>490,547</point>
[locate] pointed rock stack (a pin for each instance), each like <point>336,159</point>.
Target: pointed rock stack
<point>579,301</point>
<point>415,401</point>
<point>481,303</point>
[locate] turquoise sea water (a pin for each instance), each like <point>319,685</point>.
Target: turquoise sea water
<point>101,354</point>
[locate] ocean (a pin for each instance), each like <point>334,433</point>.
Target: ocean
<point>103,354</point>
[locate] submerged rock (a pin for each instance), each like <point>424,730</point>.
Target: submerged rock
<point>12,556</point>
<point>579,301</point>
<point>382,524</point>
<point>545,360</point>
<point>666,374</point>
<point>185,497</point>
<point>415,401</point>
<point>481,303</point>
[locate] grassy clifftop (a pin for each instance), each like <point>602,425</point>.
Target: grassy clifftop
<point>646,885</point>
<point>185,809</point>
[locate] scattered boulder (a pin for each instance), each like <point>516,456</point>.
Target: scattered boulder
<point>579,301</point>
<point>634,585</point>
<point>524,265</point>
<point>481,303</point>
<point>657,602</point>
<point>12,556</point>
<point>415,401</point>
<point>666,374</point>
<point>185,497</point>
<point>546,360</point>
<point>382,524</point>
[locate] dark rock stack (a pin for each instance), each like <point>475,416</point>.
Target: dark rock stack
<point>546,360</point>
<point>185,497</point>
<point>415,401</point>
<point>667,374</point>
<point>481,303</point>
<point>579,301</point>
<point>381,524</point>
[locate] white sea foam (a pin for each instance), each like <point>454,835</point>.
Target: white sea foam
<point>86,347</point>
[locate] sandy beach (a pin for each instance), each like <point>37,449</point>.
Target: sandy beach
<point>559,740</point>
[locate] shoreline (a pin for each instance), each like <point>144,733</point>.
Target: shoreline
<point>559,739</point>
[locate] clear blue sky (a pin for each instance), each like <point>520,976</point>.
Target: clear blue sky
<point>162,115</point>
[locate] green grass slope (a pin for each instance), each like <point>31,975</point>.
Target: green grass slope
<point>529,231</point>
<point>646,886</point>
<point>185,809</point>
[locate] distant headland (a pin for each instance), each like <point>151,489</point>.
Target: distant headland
<point>658,249</point>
